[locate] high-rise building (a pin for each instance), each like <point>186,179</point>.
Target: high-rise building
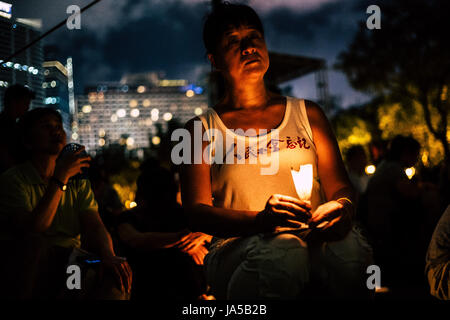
<point>56,90</point>
<point>130,111</point>
<point>26,67</point>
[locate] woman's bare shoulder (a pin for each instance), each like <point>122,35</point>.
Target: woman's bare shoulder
<point>316,115</point>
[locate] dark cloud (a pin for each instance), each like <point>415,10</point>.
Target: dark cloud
<point>123,36</point>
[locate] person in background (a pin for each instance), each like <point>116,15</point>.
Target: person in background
<point>437,267</point>
<point>166,257</point>
<point>356,163</point>
<point>39,199</point>
<point>394,215</point>
<point>16,101</point>
<point>109,204</point>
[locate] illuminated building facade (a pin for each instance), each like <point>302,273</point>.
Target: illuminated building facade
<point>25,68</point>
<point>56,90</point>
<point>130,111</point>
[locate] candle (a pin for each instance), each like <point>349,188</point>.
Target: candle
<point>303,181</point>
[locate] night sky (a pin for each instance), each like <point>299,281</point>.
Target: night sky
<point>128,36</point>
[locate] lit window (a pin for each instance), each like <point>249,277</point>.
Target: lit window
<point>121,113</point>
<point>154,114</point>
<point>134,113</point>
<point>133,103</point>
<point>130,141</point>
<point>167,116</point>
<point>156,140</point>
<point>86,108</point>
<point>198,111</point>
<point>146,103</point>
<point>190,93</point>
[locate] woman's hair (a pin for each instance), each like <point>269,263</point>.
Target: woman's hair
<point>225,16</point>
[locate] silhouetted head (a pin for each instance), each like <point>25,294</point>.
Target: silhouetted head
<point>156,185</point>
<point>404,150</point>
<point>356,158</point>
<point>17,99</point>
<point>42,131</point>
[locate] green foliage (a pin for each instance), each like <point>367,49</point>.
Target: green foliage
<point>407,62</point>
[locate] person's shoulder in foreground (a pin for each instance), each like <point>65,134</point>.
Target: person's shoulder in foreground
<point>438,259</point>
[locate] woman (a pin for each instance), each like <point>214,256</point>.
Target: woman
<point>241,206</point>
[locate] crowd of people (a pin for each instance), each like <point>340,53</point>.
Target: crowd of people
<point>235,234</point>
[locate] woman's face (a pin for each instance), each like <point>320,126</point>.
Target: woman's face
<point>241,54</point>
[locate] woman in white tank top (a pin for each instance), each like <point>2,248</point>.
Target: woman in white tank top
<point>243,192</point>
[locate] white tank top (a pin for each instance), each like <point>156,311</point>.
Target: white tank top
<point>243,186</point>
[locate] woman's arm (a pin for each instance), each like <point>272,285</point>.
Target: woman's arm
<point>149,240</point>
<point>339,209</point>
<point>197,199</point>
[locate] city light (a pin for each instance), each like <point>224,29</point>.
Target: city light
<point>101,133</point>
<point>141,89</point>
<point>410,172</point>
<point>53,84</point>
<point>86,108</point>
<point>154,114</point>
<point>114,118</point>
<point>370,169</point>
<point>130,142</point>
<point>133,103</point>
<point>74,136</point>
<point>101,142</point>
<point>198,111</point>
<point>167,116</point>
<point>121,113</point>
<point>134,113</point>
<point>133,204</point>
<point>190,93</point>
<point>92,97</point>
<point>146,103</point>
<point>156,140</point>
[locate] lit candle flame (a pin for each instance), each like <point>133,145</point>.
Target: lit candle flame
<point>303,181</point>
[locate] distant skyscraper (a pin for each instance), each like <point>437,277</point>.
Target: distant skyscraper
<point>128,112</point>
<point>57,92</point>
<point>25,68</point>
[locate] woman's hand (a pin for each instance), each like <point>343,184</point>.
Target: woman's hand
<point>331,221</point>
<point>283,211</point>
<point>198,254</point>
<point>193,243</point>
<point>192,240</point>
<point>121,271</point>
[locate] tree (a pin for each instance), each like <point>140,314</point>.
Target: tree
<point>406,61</point>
